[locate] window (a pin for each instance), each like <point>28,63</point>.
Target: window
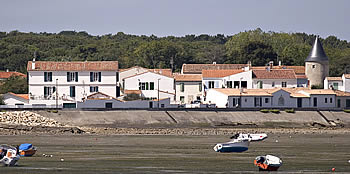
<point>146,85</point>
<point>257,101</point>
<point>182,87</point>
<point>339,103</point>
<point>182,99</point>
<point>229,84</point>
<point>200,87</point>
<point>266,100</point>
<point>244,84</point>
<point>313,66</point>
<point>335,86</point>
<point>236,84</point>
<point>273,84</point>
<point>93,88</point>
<point>198,98</point>
<point>162,105</point>
<point>95,76</point>
<point>47,76</point>
<point>284,84</point>
<point>151,85</point>
<point>233,101</point>
<point>330,100</point>
<point>72,91</point>
<point>72,76</point>
<point>117,76</point>
<point>49,90</point>
<point>325,100</point>
<point>211,84</point>
<point>315,101</point>
<point>260,84</point>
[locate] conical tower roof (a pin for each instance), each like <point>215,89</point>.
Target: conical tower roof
<point>317,53</point>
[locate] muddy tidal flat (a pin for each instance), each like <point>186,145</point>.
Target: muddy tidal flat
<point>300,153</point>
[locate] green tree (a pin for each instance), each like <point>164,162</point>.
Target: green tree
<point>15,84</point>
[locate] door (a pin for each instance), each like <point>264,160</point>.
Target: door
<point>315,101</point>
<point>109,105</point>
<point>118,91</point>
<point>347,103</point>
<point>150,104</point>
<point>300,102</point>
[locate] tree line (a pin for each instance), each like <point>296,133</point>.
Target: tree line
<point>257,46</point>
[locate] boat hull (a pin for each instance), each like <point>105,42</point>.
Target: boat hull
<point>232,147</point>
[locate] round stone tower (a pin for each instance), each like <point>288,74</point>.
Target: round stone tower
<point>316,65</point>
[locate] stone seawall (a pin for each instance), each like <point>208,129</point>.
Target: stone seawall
<point>146,119</point>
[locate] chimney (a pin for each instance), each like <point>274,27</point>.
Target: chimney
<point>279,63</point>
<point>249,63</point>
<point>7,70</point>
<point>214,63</point>
<point>33,63</point>
<point>271,64</point>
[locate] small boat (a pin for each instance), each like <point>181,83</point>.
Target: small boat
<point>268,163</point>
<point>27,149</point>
<point>252,137</point>
<point>8,155</point>
<point>236,145</point>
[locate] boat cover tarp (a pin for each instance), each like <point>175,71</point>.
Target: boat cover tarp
<point>25,146</point>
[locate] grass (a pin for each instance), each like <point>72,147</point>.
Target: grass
<point>347,110</point>
<point>289,110</point>
<point>264,111</point>
<point>276,111</point>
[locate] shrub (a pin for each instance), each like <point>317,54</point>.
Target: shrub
<point>276,111</point>
<point>290,110</point>
<point>264,110</point>
<point>347,110</point>
<point>54,111</point>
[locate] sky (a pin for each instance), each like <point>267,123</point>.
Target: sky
<point>177,17</point>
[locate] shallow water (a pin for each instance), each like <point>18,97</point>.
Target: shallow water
<point>177,154</point>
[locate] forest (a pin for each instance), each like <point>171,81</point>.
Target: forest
<point>257,46</point>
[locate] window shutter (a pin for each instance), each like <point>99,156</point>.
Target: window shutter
<point>99,76</point>
<point>76,76</point>
<point>216,84</point>
<point>45,76</point>
<point>68,77</point>
<point>50,76</point>
<point>96,88</point>
<point>91,89</point>
<point>45,91</point>
<point>91,77</point>
<point>200,87</point>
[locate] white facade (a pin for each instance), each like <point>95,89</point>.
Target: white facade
<point>274,83</point>
<point>113,103</point>
<point>245,77</point>
<point>13,100</point>
<point>276,99</point>
<point>147,82</point>
<point>346,81</point>
<point>191,91</point>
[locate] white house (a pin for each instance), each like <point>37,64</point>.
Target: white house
<point>15,100</point>
<point>274,78</point>
<point>101,100</point>
<point>188,88</point>
<point>338,83</point>
<point>153,85</point>
<point>64,83</point>
<point>197,68</point>
<point>272,98</point>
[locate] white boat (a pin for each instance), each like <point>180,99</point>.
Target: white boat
<point>8,155</point>
<point>251,137</point>
<point>236,145</point>
<point>268,163</point>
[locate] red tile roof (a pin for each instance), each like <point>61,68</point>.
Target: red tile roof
<point>188,77</point>
<point>347,76</point>
<point>299,70</point>
<point>74,66</point>
<point>274,74</point>
<point>132,92</point>
<point>24,96</point>
<point>5,75</point>
<point>197,68</point>
<point>301,76</point>
<point>342,93</point>
<point>334,78</point>
<point>219,73</point>
<point>165,72</point>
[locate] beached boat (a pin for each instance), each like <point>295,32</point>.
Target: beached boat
<point>251,137</point>
<point>268,163</point>
<point>8,155</point>
<point>27,149</point>
<point>236,145</point>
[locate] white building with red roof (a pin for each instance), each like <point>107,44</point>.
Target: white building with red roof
<point>274,78</point>
<point>62,84</point>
